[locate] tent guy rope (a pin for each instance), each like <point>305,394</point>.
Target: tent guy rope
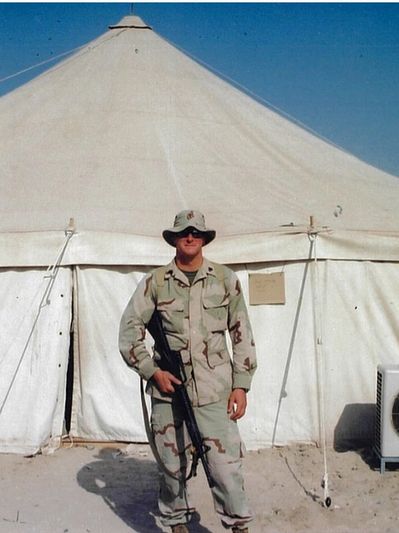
<point>41,63</point>
<point>85,47</point>
<point>197,60</point>
<point>283,390</point>
<point>256,97</point>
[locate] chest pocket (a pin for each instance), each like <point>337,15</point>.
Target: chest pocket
<point>172,313</point>
<point>216,312</point>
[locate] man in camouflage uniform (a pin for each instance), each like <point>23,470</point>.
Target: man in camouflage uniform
<point>198,302</point>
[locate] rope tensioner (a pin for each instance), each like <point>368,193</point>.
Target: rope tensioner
<point>52,270</point>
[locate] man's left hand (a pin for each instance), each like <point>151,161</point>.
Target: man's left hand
<point>237,404</point>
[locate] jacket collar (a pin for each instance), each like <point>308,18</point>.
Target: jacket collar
<point>206,269</point>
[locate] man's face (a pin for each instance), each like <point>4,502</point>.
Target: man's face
<point>189,243</point>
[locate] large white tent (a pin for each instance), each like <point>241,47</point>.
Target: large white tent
<point>120,137</point>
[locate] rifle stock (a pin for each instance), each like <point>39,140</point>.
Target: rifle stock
<point>172,362</point>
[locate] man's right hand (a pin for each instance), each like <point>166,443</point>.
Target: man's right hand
<point>165,380</point>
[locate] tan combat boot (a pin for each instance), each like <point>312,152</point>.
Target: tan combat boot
<point>180,528</point>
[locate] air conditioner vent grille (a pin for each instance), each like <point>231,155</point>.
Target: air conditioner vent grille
<point>387,411</point>
<point>395,414</point>
<point>378,412</point>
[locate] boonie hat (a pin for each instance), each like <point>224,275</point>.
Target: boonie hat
<point>188,219</point>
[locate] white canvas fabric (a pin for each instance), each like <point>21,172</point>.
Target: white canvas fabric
<point>106,403</point>
<point>120,137</point>
<point>106,248</point>
<point>129,131</point>
<point>35,318</point>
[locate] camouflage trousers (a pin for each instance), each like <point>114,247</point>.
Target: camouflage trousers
<point>222,436</point>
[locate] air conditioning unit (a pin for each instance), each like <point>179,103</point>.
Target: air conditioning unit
<point>387,415</point>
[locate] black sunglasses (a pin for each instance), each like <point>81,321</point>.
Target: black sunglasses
<point>194,232</point>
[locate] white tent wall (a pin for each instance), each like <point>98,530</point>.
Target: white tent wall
<point>354,307</point>
<point>284,336</point>
<point>318,357</point>
<point>35,318</point>
<point>106,401</point>
<point>106,393</point>
<point>360,331</point>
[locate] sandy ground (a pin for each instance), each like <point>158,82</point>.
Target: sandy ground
<point>103,489</point>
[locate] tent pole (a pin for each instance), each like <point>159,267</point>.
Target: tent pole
<point>313,234</point>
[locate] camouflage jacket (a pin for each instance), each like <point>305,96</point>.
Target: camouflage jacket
<point>195,319</point>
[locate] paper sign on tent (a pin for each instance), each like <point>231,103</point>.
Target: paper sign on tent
<point>267,288</point>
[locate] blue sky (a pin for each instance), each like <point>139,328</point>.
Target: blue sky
<point>333,67</point>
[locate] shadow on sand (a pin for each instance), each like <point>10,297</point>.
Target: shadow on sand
<point>129,486</point>
<point>355,431</point>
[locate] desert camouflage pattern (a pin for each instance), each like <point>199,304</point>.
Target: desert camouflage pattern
<point>224,457</point>
<point>195,320</point>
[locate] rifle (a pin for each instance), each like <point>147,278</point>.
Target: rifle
<point>172,362</point>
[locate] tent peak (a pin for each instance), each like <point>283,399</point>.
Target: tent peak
<point>131,21</point>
